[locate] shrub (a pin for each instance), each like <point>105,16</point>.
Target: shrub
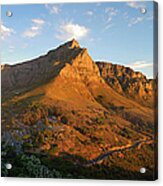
<point>27,145</point>
<point>64,119</point>
<point>99,120</point>
<point>71,149</point>
<point>27,136</point>
<point>33,168</point>
<point>125,133</point>
<point>54,148</point>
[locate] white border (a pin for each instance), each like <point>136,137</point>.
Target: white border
<point>55,1</point>
<point>50,182</point>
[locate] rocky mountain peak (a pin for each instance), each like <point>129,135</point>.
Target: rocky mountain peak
<point>49,66</point>
<point>72,44</point>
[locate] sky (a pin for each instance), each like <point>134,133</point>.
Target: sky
<point>116,32</point>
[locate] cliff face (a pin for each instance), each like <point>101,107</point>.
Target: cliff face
<point>128,82</point>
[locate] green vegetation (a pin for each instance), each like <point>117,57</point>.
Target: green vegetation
<point>71,149</point>
<point>53,148</point>
<point>27,146</point>
<point>27,136</point>
<point>72,166</point>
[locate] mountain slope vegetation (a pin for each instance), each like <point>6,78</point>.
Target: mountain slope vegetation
<point>64,110</point>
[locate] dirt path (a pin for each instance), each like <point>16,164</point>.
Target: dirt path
<point>118,149</point>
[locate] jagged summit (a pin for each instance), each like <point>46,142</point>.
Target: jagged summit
<point>72,44</point>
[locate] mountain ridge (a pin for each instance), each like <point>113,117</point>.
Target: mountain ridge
<point>124,80</point>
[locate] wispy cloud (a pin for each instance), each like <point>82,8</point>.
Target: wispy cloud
<point>38,22</point>
<point>140,64</point>
<point>136,5</point>
<point>35,29</point>
<point>125,15</point>
<point>6,31</point>
<point>135,21</point>
<point>70,30</point>
<point>108,26</point>
<point>110,13</point>
<point>53,9</point>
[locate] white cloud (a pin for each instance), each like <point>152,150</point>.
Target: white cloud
<point>70,30</point>
<point>53,9</point>
<point>5,31</point>
<point>135,21</point>
<point>109,19</point>
<point>136,5</point>
<point>35,29</point>
<point>38,21</point>
<point>110,13</point>
<point>140,64</point>
<point>30,33</point>
<point>89,13</point>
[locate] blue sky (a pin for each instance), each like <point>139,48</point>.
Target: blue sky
<point>113,32</point>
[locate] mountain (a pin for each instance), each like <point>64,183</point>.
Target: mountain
<point>64,105</point>
<point>129,83</point>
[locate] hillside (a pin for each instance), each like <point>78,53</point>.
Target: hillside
<point>63,107</point>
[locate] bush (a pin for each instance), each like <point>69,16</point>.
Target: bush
<point>33,168</point>
<point>64,119</point>
<point>71,149</point>
<point>54,148</point>
<point>126,133</point>
<point>100,120</point>
<point>27,136</point>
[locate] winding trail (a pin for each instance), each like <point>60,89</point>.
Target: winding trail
<point>118,149</point>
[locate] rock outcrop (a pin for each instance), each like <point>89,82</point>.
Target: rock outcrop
<point>129,83</point>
